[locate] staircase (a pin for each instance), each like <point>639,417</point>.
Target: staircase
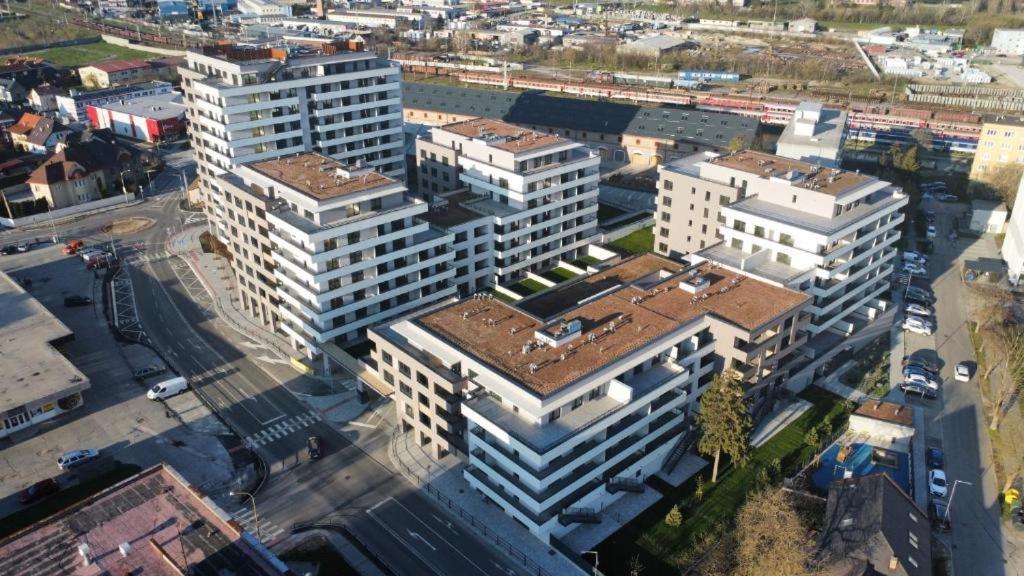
<point>682,446</point>
<point>579,515</point>
<point>622,484</point>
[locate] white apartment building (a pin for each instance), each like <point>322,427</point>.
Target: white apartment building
<point>538,190</point>
<point>247,104</point>
<point>1013,245</point>
<point>348,247</point>
<point>827,232</point>
<point>815,135</point>
<point>265,10</point>
<point>558,415</point>
<point>1008,41</point>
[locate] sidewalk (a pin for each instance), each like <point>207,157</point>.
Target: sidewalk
<point>445,476</point>
<point>777,420</point>
<point>833,385</point>
<point>269,348</point>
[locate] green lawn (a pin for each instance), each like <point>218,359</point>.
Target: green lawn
<point>527,286</point>
<point>503,297</point>
<point>560,275</point>
<point>585,261</point>
<point>657,544</point>
<point>639,242</point>
<point>64,498</point>
<point>73,56</point>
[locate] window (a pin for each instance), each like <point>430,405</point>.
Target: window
<point>555,415</point>
<point>405,389</point>
<point>666,184</point>
<point>666,201</point>
<point>723,200</point>
<point>662,247</point>
<point>389,378</point>
<point>663,232</point>
<point>665,217</point>
<point>404,370</point>
<point>386,358</point>
<point>739,225</point>
<point>785,239</point>
<point>782,258</point>
<point>759,231</point>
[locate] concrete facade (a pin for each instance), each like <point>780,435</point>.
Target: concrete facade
<point>1013,245</point>
<point>689,207</point>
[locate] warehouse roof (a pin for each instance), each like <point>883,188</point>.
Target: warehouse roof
<point>538,109</point>
<point>158,107</point>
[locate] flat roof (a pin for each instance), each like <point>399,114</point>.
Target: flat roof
<point>831,181</point>
<point>503,136</point>
<point>887,412</point>
<point>454,211</point>
<point>612,325</point>
<point>170,528</point>
<point>33,370</point>
<point>318,176</point>
<point>828,130</point>
<point>157,107</point>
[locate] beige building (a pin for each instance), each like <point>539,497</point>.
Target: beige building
<point>83,171</point>
<point>688,215</point>
<point>1001,143</point>
<point>437,169</point>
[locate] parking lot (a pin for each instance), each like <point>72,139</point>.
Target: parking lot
<point>116,417</point>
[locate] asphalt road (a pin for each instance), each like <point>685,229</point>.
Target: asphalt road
<point>956,422</point>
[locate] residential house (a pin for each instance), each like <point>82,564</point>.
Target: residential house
<point>12,91</point>
<point>43,98</point>
<point>85,169</point>
<point>37,134</point>
<point>121,72</point>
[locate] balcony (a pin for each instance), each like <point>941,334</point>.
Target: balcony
<point>579,516</point>
<point>624,484</point>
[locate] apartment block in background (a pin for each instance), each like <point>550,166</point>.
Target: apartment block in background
<point>1013,245</point>
<point>1001,144</point>
<point>539,190</point>
<point>562,402</point>
<point>827,232</point>
<point>814,134</point>
<point>248,104</point>
<point>348,248</point>
<point>690,198</point>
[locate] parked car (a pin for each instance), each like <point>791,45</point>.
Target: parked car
<point>937,483</point>
<point>73,247</point>
<point>934,458</point>
<point>148,370</point>
<point>313,447</point>
<point>921,380</point>
<point>918,293</point>
<point>918,371</point>
<point>77,458</point>
<point>918,310</point>
<point>917,301</point>
<point>38,491</point>
<point>73,301</point>
<point>919,360</point>
<point>167,388</point>
<point>931,232</point>
<point>914,268</point>
<point>911,256</point>
<point>918,325</point>
<point>947,197</point>
<point>9,249</point>
<point>922,391</point>
<point>930,216</point>
<point>962,372</point>
<point>939,515</point>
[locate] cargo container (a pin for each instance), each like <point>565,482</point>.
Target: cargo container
<point>709,76</point>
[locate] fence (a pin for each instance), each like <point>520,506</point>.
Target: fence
<point>623,231</point>
<point>458,511</point>
<point>65,212</point>
<point>351,536</point>
<point>573,557</point>
<point>48,45</point>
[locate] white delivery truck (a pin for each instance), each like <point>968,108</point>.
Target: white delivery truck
<point>167,388</point>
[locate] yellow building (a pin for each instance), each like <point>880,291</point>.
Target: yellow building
<point>1001,143</point>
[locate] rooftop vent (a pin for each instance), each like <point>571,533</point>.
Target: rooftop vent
<point>124,548</point>
<point>559,332</point>
<point>360,168</point>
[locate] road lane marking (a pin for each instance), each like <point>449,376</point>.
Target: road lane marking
<point>446,524</point>
<point>416,536</point>
<point>455,548</point>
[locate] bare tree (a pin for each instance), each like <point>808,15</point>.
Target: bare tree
<point>770,533</point>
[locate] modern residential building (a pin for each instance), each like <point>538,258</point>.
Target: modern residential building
<point>89,167</point>
<point>619,132</point>
<point>539,190</point>
<point>247,104</point>
<point>815,135</point>
<point>150,119</point>
<point>1013,244</point>
<point>153,523</point>
<point>347,249</point>
<point>39,382</point>
<point>72,107</point>
<point>873,527</point>
<point>1008,41</point>
<point>1001,143</point>
<point>561,402</point>
<point>828,232</point>
<point>120,72</point>
<point>690,198</point>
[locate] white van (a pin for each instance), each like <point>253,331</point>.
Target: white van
<point>167,388</point>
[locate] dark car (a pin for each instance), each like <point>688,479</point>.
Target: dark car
<point>72,301</point>
<point>8,250</point>
<point>39,490</point>
<point>921,390</point>
<point>934,458</point>
<point>920,302</point>
<point>939,515</point>
<point>313,447</point>
<point>921,361</point>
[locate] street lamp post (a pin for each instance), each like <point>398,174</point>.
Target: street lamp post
<point>952,495</point>
<point>123,187</point>
<point>597,560</point>
<point>255,517</point>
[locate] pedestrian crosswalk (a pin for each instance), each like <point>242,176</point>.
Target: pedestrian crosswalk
<point>149,257</point>
<point>265,530</point>
<point>279,430</point>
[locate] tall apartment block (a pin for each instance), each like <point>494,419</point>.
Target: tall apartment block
<point>249,104</point>
<point>534,194</point>
<point>1001,144</point>
<point>828,232</point>
<point>348,245</point>
<point>563,402</point>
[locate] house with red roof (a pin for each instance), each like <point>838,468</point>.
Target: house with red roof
<point>37,134</point>
<point>91,167</point>
<point>121,72</point>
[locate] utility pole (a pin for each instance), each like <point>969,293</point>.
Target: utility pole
<point>952,495</point>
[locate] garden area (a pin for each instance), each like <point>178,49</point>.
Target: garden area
<point>707,510</point>
<point>527,286</point>
<point>870,372</point>
<point>559,274</point>
<point>607,212</point>
<point>638,242</point>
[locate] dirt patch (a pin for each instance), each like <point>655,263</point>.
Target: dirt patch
<point>128,226</point>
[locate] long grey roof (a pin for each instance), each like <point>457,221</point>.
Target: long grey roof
<point>540,109</point>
